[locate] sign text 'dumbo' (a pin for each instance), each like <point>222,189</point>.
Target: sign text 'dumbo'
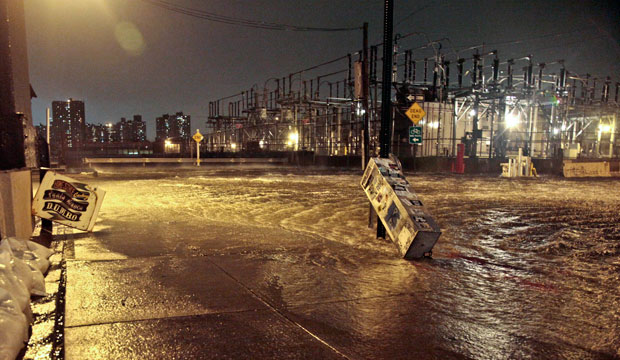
<point>67,201</point>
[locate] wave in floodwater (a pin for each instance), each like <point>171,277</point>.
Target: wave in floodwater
<point>533,260</point>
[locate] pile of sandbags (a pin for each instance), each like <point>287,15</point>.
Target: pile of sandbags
<point>22,265</point>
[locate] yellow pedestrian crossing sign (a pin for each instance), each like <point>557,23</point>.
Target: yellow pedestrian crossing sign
<point>415,113</point>
<point>197,136</point>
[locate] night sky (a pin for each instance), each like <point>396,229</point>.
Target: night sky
<point>126,57</point>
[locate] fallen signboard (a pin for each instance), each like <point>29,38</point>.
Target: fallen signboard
<point>406,221</point>
<point>67,201</point>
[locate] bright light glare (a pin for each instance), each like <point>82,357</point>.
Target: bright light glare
<point>472,112</point>
<point>261,144</point>
<point>433,125</point>
<point>233,146</point>
<point>360,110</point>
<point>556,131</point>
<point>168,142</point>
<point>129,38</point>
<point>293,137</point>
<point>604,128</point>
<point>512,120</point>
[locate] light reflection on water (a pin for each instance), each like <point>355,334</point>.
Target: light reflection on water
<point>523,266</point>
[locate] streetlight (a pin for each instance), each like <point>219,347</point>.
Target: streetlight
<point>512,120</point>
<point>293,139</point>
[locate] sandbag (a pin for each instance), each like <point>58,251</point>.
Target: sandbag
<point>31,277</point>
<point>13,327</point>
<point>11,283</point>
<point>37,257</point>
<point>24,244</point>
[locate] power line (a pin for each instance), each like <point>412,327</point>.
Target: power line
<point>519,41</point>
<point>413,13</point>
<point>205,15</point>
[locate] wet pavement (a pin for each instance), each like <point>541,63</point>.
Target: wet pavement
<point>255,262</point>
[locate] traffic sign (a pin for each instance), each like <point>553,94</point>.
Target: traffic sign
<point>197,136</point>
<point>415,113</point>
<point>415,134</point>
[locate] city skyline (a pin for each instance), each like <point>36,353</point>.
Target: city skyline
<point>145,135</point>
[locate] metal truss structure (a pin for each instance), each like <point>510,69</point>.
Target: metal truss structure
<point>489,106</point>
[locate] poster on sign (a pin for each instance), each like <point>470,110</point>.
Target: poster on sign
<point>406,220</point>
<point>67,201</point>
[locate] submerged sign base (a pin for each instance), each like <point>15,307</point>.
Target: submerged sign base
<point>406,221</point>
<point>67,201</point>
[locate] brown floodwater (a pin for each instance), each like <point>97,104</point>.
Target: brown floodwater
<point>523,269</point>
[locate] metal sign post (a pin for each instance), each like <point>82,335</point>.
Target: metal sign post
<point>197,138</point>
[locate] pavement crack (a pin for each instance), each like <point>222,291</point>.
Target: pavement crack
<point>278,312</point>
<point>179,317</point>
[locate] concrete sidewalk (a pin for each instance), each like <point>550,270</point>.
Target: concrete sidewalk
<point>188,308</point>
<point>251,303</point>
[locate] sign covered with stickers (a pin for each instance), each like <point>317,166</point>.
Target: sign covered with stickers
<point>406,221</point>
<point>67,201</point>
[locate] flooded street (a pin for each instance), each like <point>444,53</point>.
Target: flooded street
<point>523,269</point>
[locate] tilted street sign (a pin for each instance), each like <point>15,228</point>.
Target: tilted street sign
<point>67,201</point>
<point>407,222</point>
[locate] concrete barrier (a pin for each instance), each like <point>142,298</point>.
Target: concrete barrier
<point>576,168</point>
<point>15,199</point>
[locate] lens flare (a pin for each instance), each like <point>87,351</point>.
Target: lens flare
<point>129,38</point>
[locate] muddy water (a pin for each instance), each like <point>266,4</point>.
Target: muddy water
<point>524,268</point>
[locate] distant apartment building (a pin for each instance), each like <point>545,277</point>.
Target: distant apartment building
<point>132,130</point>
<point>68,126</point>
<point>138,129</point>
<point>124,131</point>
<point>177,126</point>
<point>41,131</point>
<point>99,133</point>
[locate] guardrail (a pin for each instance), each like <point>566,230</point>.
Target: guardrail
<point>144,161</point>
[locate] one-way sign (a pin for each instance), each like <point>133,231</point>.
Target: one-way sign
<point>415,134</point>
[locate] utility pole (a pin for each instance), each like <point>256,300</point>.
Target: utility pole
<point>365,92</point>
<point>366,117</point>
<point>386,91</point>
